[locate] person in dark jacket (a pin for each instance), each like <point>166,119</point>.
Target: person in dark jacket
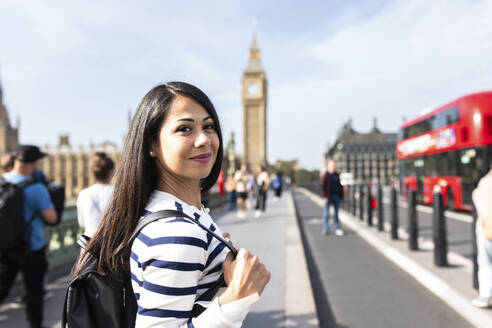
<point>332,191</point>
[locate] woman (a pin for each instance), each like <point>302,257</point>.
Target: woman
<point>92,201</point>
<point>262,182</point>
<point>241,178</point>
<point>172,152</point>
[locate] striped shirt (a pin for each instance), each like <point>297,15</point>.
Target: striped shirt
<point>174,261</point>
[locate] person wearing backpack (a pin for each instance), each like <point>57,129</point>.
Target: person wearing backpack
<point>173,152</point>
<point>482,196</point>
<point>278,184</point>
<point>27,252</point>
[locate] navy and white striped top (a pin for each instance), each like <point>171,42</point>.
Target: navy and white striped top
<point>174,261</point>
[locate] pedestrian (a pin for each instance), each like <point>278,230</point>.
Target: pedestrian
<point>92,201</point>
<point>231,192</point>
<point>7,162</point>
<point>332,191</point>
<point>242,177</point>
<point>262,182</point>
<point>220,186</point>
<point>481,199</point>
<point>251,187</point>
<point>28,257</point>
<point>172,152</point>
<point>278,184</point>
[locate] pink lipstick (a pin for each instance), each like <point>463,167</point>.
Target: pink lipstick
<point>202,158</point>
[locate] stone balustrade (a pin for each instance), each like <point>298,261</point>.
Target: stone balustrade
<point>62,239</point>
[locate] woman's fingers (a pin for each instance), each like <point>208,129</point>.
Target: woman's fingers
<point>228,266</point>
<point>250,275</point>
<point>244,276</point>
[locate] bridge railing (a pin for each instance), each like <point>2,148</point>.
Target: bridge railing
<point>62,239</point>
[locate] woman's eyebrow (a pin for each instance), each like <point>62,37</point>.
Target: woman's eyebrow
<point>192,120</point>
<point>186,119</point>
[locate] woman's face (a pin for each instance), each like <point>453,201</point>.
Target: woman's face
<point>188,143</point>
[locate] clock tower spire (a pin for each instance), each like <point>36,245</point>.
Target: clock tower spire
<point>254,95</point>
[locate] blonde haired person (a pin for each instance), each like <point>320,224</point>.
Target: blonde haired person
<point>7,162</point>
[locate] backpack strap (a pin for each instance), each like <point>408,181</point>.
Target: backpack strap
<point>144,221</point>
<point>214,288</point>
<point>173,213</point>
<point>25,183</point>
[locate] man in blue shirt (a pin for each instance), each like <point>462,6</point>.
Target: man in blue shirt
<point>31,262</point>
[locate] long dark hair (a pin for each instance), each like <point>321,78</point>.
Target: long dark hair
<point>136,177</point>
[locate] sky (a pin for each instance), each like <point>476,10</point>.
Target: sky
<point>79,67</point>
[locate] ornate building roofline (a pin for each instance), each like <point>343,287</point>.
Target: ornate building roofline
<point>254,63</point>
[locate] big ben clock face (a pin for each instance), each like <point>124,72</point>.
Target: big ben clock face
<point>253,89</point>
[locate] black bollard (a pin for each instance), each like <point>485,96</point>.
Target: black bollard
<point>348,197</point>
<point>344,198</point>
<point>439,232</point>
<point>361,202</point>
<point>474,249</point>
<point>380,209</point>
<point>369,205</point>
<point>342,201</point>
<point>354,201</point>
<point>394,214</point>
<point>413,227</point>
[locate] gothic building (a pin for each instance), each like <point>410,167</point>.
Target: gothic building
<point>69,165</point>
<point>66,165</point>
<point>9,136</point>
<point>254,95</point>
<point>367,156</point>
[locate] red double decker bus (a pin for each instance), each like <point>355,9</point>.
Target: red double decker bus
<point>447,149</point>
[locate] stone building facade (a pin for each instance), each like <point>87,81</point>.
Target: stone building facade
<point>367,156</point>
<point>9,135</point>
<point>69,165</point>
<point>254,95</point>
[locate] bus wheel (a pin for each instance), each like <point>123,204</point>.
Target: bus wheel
<point>450,197</point>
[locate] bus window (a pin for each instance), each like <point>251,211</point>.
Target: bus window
<point>470,166</point>
<point>431,165</point>
<point>442,166</point>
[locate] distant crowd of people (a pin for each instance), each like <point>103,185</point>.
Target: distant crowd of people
<point>245,189</point>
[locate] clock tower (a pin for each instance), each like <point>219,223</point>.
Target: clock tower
<point>254,94</point>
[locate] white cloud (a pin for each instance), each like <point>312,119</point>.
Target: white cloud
<point>411,55</point>
<point>71,62</point>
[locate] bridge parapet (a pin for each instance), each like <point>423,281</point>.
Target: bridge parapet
<point>62,239</point>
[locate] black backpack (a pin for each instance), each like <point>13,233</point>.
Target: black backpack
<point>57,195</point>
<point>95,300</point>
<point>13,228</point>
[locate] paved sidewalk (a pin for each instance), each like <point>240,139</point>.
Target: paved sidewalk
<point>452,284</point>
<point>286,302</point>
<point>275,238</point>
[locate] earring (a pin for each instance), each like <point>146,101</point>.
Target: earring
<point>151,153</point>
